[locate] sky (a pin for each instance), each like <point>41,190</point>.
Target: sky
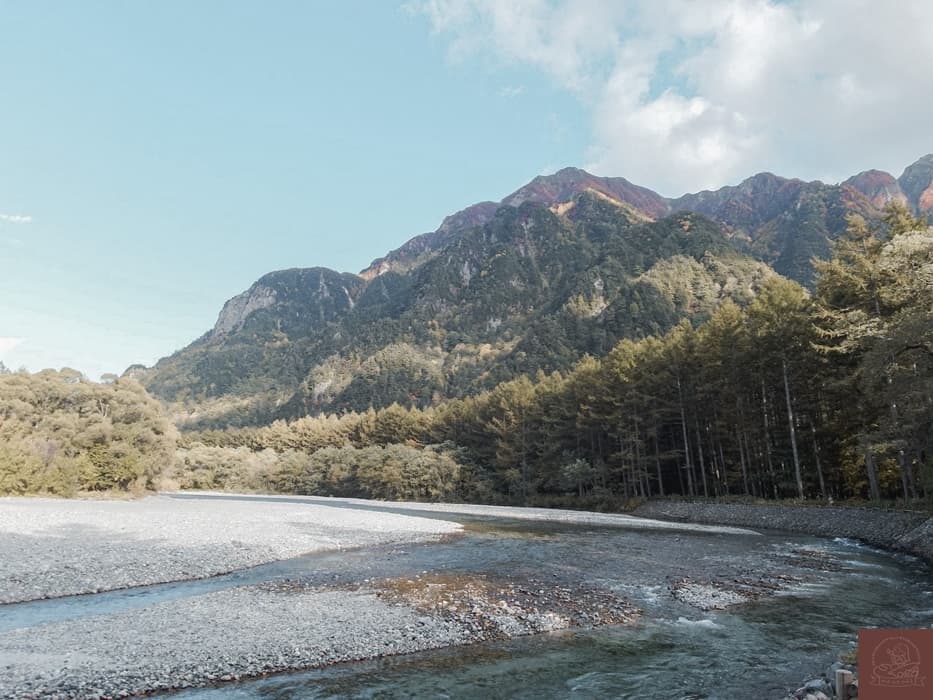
<point>156,158</point>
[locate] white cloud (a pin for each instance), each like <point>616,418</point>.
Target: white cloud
<point>684,95</point>
<point>15,219</point>
<point>509,91</point>
<point>8,343</point>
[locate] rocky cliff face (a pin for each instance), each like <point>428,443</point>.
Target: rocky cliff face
<point>289,301</point>
<point>878,186</point>
<point>917,184</point>
<point>238,309</point>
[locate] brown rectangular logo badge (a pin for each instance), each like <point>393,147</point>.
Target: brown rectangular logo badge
<point>895,664</point>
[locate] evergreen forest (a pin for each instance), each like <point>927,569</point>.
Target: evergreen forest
<point>821,394</point>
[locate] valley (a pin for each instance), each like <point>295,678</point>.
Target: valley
<point>465,349</point>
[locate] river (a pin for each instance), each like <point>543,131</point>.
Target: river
<point>673,650</point>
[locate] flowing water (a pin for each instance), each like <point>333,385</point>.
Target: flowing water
<point>755,650</point>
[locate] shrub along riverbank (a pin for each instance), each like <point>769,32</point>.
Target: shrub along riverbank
<point>61,434</point>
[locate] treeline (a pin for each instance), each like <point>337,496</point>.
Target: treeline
<point>393,472</point>
<point>795,396</point>
<point>62,434</point>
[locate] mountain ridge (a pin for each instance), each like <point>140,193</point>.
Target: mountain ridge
<point>531,290</point>
<point>755,202</point>
<point>565,266</point>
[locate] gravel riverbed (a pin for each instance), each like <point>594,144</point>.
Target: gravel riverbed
<point>551,515</point>
<point>56,547</point>
<point>219,636</point>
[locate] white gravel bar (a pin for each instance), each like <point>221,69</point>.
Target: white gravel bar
<point>57,547</point>
<point>225,635</point>
<point>557,515</point>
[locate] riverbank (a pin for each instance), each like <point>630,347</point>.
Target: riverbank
<point>252,631</point>
<point>910,533</point>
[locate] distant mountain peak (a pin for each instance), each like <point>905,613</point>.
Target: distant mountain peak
<point>879,186</point>
<point>313,291</point>
<point>871,177</point>
<point>917,184</point>
<point>566,173</point>
<point>563,185</point>
<point>741,209</point>
<point>555,190</point>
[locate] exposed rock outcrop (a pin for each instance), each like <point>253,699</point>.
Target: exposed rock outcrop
<point>235,312</point>
<point>880,187</point>
<point>917,184</point>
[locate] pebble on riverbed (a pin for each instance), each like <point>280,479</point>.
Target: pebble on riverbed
<point>706,596</point>
<point>814,559</point>
<point>721,593</point>
<point>496,608</point>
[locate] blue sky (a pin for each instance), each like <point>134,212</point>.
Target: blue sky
<point>156,158</point>
<point>169,156</point>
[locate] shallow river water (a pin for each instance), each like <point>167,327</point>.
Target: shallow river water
<point>758,649</point>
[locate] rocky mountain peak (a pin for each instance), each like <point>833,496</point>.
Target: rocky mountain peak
<point>878,186</point>
<point>917,184</point>
<point>475,215</point>
<point>565,184</point>
<point>554,190</point>
<point>764,183</point>
<point>751,203</point>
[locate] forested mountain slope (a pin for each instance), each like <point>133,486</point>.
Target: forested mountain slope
<point>531,289</point>
<point>565,266</point>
